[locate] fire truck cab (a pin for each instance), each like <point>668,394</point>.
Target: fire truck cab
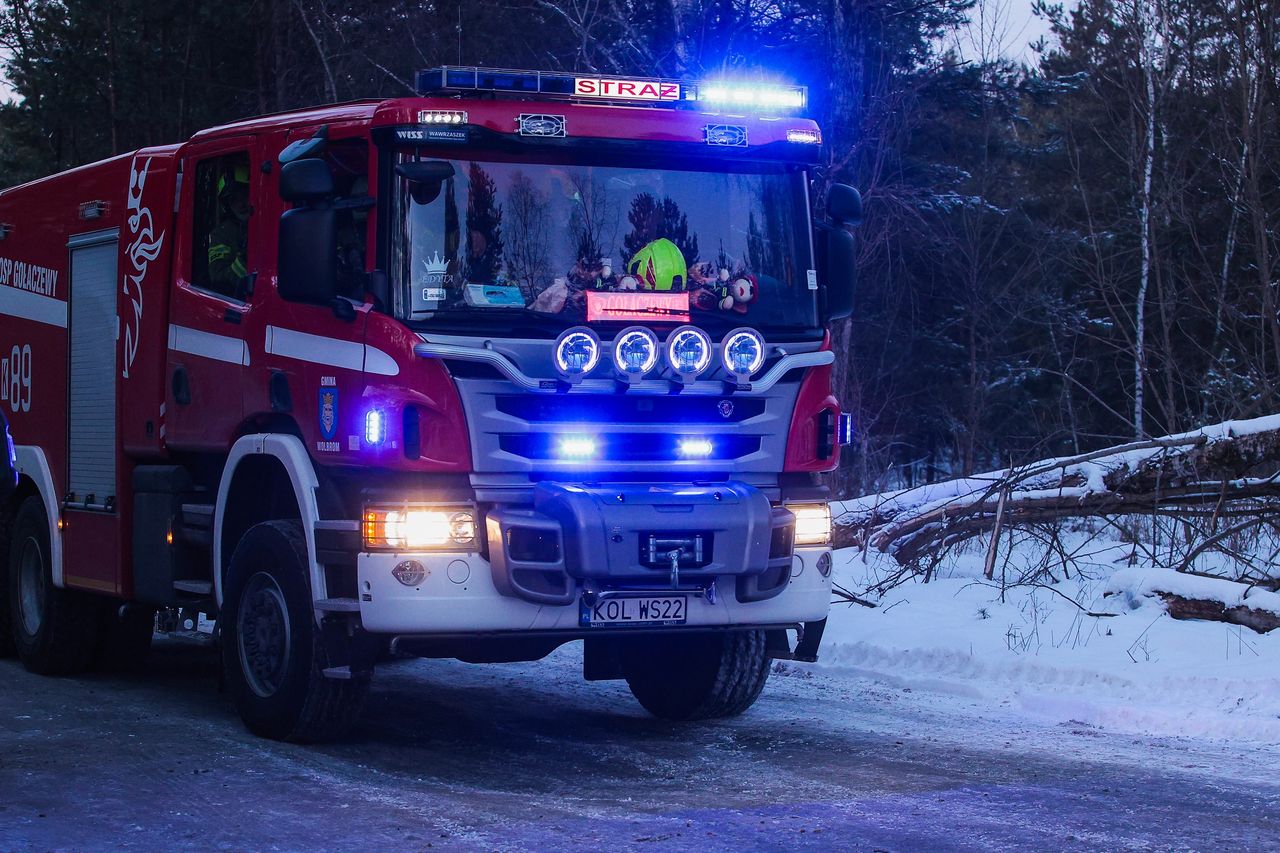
<point>528,359</point>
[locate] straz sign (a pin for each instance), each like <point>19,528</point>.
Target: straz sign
<point>626,90</point>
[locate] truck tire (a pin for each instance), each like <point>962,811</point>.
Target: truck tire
<point>54,629</point>
<point>696,676</point>
<point>125,639</point>
<point>272,654</point>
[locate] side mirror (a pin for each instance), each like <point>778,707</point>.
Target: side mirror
<point>306,181</point>
<point>427,178</point>
<point>8,461</point>
<point>844,204</point>
<point>838,270</point>
<point>308,267</point>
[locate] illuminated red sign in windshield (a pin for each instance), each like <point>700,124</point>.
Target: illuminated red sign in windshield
<point>638,305</point>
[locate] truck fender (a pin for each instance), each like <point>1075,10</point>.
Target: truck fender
<point>33,465</point>
<point>291,453</point>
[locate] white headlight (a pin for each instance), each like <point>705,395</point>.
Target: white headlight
<point>577,353</point>
<point>635,351</point>
<point>689,352</point>
<point>414,528</point>
<point>742,352</point>
<point>813,523</point>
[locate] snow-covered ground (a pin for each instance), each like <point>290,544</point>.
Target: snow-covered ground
<point>1039,654</point>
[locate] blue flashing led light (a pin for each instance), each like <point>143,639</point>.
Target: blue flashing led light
<point>692,448</point>
<point>577,447</point>
<point>764,97</point>
<point>375,427</point>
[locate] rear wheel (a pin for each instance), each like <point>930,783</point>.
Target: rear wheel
<point>697,676</point>
<point>271,647</point>
<point>53,629</point>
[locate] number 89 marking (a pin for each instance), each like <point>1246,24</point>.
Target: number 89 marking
<point>15,378</point>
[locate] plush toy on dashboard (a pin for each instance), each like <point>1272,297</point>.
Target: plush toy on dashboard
<point>743,292</point>
<point>707,285</point>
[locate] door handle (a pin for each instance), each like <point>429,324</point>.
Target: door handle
<point>181,386</point>
<point>231,315</point>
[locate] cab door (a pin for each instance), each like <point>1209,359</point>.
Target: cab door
<point>308,359</point>
<point>215,274</point>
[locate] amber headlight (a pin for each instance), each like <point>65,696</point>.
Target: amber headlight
<point>813,523</point>
<point>419,528</point>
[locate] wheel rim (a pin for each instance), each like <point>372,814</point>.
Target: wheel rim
<point>32,591</point>
<point>263,635</point>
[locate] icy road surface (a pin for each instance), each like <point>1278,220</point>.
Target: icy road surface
<point>529,757</point>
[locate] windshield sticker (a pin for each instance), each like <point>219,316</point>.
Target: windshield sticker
<point>493,296</point>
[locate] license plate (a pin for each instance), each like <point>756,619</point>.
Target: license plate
<point>637,610</point>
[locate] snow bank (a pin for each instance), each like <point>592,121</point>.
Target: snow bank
<point>1135,671</point>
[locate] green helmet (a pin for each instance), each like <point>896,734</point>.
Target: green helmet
<point>659,266</point>
<point>239,179</point>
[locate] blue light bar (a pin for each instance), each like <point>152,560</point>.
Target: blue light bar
<point>757,97</point>
<point>655,91</point>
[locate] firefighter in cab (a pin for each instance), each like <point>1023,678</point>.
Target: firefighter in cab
<point>229,241</point>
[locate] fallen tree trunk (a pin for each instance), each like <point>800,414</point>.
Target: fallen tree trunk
<point>1208,470</point>
<point>1261,621</point>
<point>1201,596</point>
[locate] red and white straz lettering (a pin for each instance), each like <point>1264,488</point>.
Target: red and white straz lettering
<point>636,90</point>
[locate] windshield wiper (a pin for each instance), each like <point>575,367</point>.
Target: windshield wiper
<point>651,310</point>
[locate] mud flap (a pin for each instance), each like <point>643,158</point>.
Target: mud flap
<point>807,648</point>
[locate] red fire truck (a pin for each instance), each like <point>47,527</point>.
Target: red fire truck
<point>528,359</point>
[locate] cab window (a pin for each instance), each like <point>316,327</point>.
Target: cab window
<point>348,161</point>
<point>220,260</point>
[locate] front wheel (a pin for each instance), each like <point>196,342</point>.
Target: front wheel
<point>271,647</point>
<point>697,676</point>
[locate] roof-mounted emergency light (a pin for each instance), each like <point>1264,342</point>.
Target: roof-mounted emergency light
<point>738,95</point>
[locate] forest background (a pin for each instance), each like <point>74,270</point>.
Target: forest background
<point>1060,252</point>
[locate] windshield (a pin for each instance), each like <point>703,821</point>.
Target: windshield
<point>600,243</point>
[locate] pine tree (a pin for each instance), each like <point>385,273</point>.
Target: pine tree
<point>652,219</point>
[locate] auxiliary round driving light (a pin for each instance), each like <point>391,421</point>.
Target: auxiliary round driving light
<point>689,352</point>
<point>742,353</point>
<point>635,352</point>
<point>577,353</point>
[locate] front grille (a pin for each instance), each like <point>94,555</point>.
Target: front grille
<point>636,431</point>
<point>620,408</point>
